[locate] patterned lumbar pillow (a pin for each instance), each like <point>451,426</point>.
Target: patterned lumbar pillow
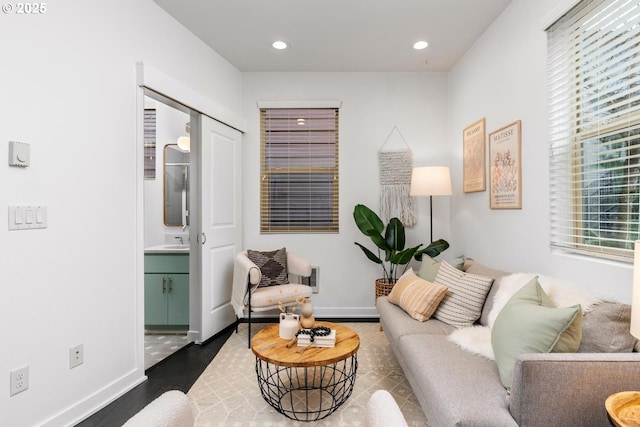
<point>418,297</point>
<point>462,304</point>
<point>272,265</point>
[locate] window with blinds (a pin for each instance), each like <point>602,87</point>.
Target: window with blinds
<point>594,92</point>
<point>150,143</point>
<point>299,170</point>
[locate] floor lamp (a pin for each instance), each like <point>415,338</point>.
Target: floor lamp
<point>430,181</point>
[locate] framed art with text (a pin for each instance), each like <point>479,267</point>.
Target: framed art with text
<point>473,157</point>
<point>505,167</point>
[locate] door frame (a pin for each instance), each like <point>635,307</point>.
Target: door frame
<point>176,94</point>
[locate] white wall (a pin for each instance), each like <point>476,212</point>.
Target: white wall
<point>503,78</point>
<point>372,104</point>
<point>68,89</point>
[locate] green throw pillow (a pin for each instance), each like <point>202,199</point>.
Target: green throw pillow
<point>530,323</point>
<point>428,268</point>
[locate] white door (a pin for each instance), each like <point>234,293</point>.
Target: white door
<point>220,234</point>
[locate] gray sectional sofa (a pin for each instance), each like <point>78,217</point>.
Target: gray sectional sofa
<point>456,387</point>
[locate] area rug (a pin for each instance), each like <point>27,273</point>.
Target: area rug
<point>227,394</point>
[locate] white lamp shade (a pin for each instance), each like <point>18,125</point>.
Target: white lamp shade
<point>635,298</point>
<point>430,181</point>
<point>184,143</point>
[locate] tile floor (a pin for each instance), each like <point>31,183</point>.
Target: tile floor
<point>159,345</point>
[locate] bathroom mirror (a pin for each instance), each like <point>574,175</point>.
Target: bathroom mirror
<point>176,186</point>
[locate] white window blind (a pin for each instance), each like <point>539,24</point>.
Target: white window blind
<point>299,170</point>
<point>594,92</point>
<point>149,143</point>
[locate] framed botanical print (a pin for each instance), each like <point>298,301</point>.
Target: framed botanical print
<point>474,157</point>
<point>505,167</point>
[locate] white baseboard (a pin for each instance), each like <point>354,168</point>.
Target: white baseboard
<point>98,400</point>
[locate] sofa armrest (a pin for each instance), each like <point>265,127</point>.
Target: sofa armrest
<point>171,409</point>
<point>298,265</point>
<point>565,389</point>
<point>383,411</point>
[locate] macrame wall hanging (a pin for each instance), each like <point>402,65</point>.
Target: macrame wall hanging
<point>395,182</point>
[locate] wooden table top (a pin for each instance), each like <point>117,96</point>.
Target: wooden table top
<point>268,346</point>
<point>624,408</point>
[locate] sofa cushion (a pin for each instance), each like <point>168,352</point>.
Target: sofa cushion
<point>605,329</point>
<point>454,387</point>
<point>470,266</point>
<point>465,295</point>
<point>271,297</point>
<point>272,265</point>
<point>418,297</point>
<point>396,323</point>
<point>529,323</point>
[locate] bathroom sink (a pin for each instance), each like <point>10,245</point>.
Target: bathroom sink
<point>168,248</point>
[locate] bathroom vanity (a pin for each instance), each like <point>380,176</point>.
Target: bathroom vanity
<point>166,286</point>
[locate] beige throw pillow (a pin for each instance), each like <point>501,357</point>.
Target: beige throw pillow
<point>465,296</point>
<point>418,297</point>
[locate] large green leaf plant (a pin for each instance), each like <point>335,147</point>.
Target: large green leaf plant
<point>390,243</point>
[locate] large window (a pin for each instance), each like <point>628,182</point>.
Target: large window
<point>299,170</point>
<point>594,88</point>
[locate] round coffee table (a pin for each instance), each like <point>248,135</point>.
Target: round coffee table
<point>306,386</point>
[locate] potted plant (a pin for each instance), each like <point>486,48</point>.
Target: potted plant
<point>390,240</point>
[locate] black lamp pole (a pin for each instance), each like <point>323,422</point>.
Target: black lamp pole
<point>431,216</point>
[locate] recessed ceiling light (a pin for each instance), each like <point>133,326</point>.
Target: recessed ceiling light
<point>279,45</point>
<point>420,45</point>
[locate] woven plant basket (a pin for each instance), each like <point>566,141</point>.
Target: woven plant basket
<point>383,287</point>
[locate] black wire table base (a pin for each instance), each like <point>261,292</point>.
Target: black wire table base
<point>307,394</point>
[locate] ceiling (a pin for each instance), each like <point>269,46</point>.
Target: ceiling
<point>337,35</point>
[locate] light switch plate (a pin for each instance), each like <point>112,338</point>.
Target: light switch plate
<point>27,217</point>
<point>19,154</point>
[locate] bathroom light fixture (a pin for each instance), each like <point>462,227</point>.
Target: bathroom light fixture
<point>420,45</point>
<point>184,142</point>
<point>279,44</point>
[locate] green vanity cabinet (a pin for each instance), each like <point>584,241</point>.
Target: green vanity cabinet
<point>166,289</point>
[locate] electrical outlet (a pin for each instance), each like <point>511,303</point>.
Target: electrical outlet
<point>19,381</point>
<point>76,356</point>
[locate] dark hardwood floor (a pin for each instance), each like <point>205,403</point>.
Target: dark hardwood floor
<point>177,372</point>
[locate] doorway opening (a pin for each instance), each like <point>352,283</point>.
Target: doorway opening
<point>167,201</point>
